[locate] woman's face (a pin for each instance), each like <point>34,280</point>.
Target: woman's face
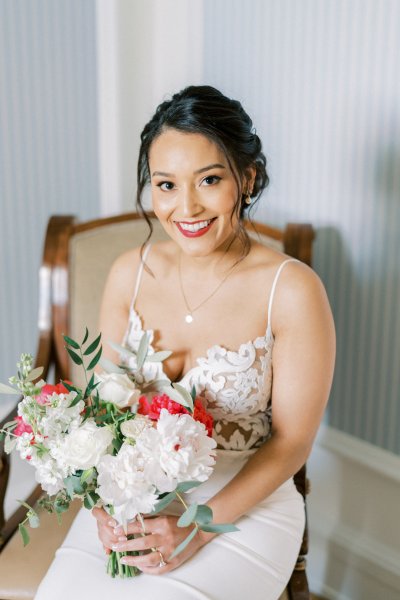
<point>193,191</point>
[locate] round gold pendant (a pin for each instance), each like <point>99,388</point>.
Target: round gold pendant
<point>188,318</point>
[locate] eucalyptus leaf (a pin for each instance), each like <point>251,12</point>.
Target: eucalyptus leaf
<point>61,506</point>
<point>92,346</point>
<point>69,486</point>
<point>188,516</point>
<point>158,356</point>
<point>184,486</point>
<point>185,395</point>
<point>95,360</point>
<point>121,349</point>
<point>183,545</point>
<point>7,389</point>
<point>34,374</point>
<point>204,514</point>
<point>90,500</point>
<point>193,393</point>
<point>163,503</point>
<point>24,533</point>
<point>157,385</point>
<point>9,444</point>
<point>109,366</point>
<point>87,475</point>
<point>86,336</point>
<point>75,357</point>
<point>10,424</point>
<point>142,350</point>
<point>220,528</point>
<point>34,520</point>
<point>71,342</point>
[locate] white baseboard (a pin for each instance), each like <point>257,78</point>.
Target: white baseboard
<point>354,519</point>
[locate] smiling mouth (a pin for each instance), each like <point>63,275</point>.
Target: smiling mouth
<point>194,229</point>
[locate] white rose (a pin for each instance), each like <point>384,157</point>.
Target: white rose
<point>134,427</point>
<point>84,446</point>
<point>118,389</point>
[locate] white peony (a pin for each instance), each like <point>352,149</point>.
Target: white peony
<point>84,446</point>
<point>50,474</point>
<point>124,483</point>
<point>118,389</point>
<point>178,450</point>
<point>134,427</point>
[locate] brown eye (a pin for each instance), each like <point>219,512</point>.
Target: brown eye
<point>166,186</point>
<point>211,179</point>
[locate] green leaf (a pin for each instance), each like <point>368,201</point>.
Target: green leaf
<point>61,506</point>
<point>7,389</point>
<point>186,397</point>
<point>91,500</point>
<point>75,357</point>
<point>184,486</point>
<point>183,545</point>
<point>87,475</point>
<point>109,366</point>
<point>188,516</point>
<point>71,342</point>
<point>34,520</point>
<point>222,528</point>
<point>10,424</point>
<point>69,486</point>
<point>70,388</point>
<point>158,356</point>
<point>193,393</point>
<point>116,444</point>
<point>34,374</point>
<point>75,401</point>
<point>24,533</point>
<point>204,514</point>
<point>86,336</point>
<point>2,436</point>
<point>121,349</point>
<point>163,503</point>
<point>142,350</point>
<point>95,360</point>
<point>9,444</point>
<point>92,346</point>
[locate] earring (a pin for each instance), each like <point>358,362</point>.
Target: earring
<point>248,199</point>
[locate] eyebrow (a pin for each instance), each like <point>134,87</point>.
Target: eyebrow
<point>202,170</point>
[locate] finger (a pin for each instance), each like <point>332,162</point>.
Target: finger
<point>138,544</point>
<point>107,536</point>
<point>103,517</point>
<point>148,563</point>
<point>135,526</point>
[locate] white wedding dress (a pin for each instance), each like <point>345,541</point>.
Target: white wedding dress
<point>254,562</point>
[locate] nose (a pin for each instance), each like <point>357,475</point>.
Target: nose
<point>190,202</point>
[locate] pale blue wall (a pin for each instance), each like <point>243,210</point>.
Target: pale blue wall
<point>321,79</point>
<point>48,147</point>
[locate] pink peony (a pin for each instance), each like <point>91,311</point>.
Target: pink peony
<point>152,410</point>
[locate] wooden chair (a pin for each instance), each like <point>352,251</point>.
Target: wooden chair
<point>76,260</point>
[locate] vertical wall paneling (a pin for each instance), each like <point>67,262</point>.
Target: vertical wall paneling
<point>321,83</point>
<point>48,147</point>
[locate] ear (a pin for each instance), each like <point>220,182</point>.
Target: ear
<point>248,180</point>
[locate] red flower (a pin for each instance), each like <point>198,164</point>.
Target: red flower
<point>22,427</point>
<point>152,410</point>
<point>48,389</point>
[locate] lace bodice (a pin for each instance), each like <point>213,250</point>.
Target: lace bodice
<point>234,385</point>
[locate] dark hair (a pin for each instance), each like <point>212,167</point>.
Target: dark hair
<point>205,110</point>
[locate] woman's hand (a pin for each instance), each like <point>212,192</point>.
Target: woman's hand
<point>161,535</point>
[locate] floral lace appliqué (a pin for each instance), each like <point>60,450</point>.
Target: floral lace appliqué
<point>236,386</point>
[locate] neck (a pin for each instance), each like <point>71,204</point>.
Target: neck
<point>218,263</point>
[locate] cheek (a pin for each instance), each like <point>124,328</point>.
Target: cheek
<point>162,206</point>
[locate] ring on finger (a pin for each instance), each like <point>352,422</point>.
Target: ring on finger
<point>162,562</point>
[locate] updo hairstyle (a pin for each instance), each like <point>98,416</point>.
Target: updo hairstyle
<point>205,110</point>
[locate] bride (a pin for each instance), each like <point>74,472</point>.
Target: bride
<point>250,328</point>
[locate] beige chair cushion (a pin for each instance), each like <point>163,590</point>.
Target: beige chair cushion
<point>22,569</point>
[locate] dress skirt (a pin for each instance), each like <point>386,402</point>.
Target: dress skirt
<point>255,562</point>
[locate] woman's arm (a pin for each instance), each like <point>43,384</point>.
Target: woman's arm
<point>303,362</point>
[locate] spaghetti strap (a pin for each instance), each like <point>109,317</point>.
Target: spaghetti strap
<point>139,275</point>
<point>271,297</point>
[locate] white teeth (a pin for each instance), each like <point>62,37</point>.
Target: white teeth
<point>195,226</point>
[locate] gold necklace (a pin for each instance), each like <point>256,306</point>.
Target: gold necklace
<point>189,315</point>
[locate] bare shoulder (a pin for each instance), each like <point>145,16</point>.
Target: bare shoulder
<point>122,275</point>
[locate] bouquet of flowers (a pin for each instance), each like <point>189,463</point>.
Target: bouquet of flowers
<point>115,444</point>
